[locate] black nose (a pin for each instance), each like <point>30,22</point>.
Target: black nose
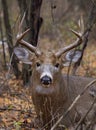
<point>46,80</point>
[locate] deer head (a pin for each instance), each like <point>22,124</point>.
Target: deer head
<point>46,65</point>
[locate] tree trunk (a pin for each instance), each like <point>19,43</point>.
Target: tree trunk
<point>9,36</point>
<point>24,9</point>
<point>34,22</point>
<point>4,55</point>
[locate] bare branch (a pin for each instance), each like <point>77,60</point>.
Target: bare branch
<point>82,119</point>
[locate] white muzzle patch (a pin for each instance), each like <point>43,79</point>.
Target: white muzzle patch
<point>46,74</point>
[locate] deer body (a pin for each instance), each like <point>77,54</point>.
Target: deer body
<point>55,102</point>
<point>51,93</point>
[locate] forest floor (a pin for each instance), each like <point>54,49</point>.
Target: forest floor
<point>16,108</point>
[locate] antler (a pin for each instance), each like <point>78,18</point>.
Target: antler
<point>26,44</point>
<point>75,44</point>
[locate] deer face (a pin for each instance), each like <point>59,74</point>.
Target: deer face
<point>46,64</point>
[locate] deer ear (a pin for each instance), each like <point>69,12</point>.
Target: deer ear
<point>72,56</point>
<point>22,54</point>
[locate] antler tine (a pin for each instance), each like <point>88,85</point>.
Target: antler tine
<point>26,44</point>
<point>21,23</point>
<point>20,36</point>
<point>67,48</point>
<point>76,33</point>
<point>81,24</point>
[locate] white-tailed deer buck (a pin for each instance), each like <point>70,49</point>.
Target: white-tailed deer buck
<point>51,94</point>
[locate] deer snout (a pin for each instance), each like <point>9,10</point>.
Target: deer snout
<point>46,80</point>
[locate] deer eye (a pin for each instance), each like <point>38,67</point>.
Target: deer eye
<point>38,64</point>
<point>57,65</point>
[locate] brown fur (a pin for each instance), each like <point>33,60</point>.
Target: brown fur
<point>50,106</point>
<point>52,100</point>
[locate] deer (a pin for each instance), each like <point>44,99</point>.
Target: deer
<point>51,94</point>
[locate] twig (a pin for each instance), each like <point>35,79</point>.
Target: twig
<point>73,104</point>
<point>82,119</point>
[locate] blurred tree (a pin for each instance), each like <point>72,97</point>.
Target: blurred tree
<point>1,32</point>
<point>33,21</point>
<point>9,36</point>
